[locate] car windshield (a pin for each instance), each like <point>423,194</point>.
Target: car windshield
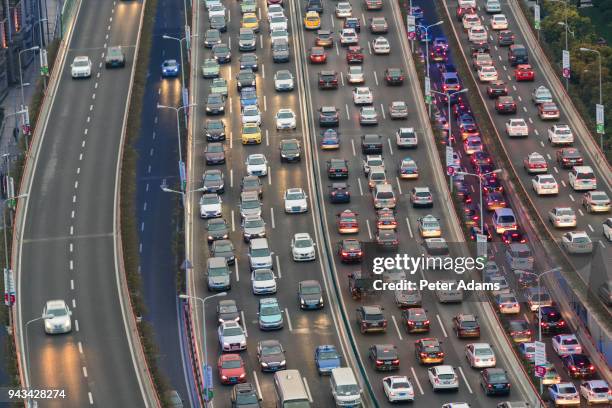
<point>567,389</point>
<point>57,312</point>
<point>570,342</point>
<point>214,149</point>
<point>290,145</point>
<point>232,331</point>
<point>270,310</point>
<point>273,349</point>
<point>385,195</point>
<point>401,385</point>
<point>257,160</point>
<point>209,200</point>
<point>295,196</point>
<point>81,63</point>
<point>250,129</point>
<point>264,276</point>
<point>222,49</point>
<point>214,99</point>
<point>374,316</point>
<point>328,355</point>
<point>422,194</point>
<point>254,223</point>
<point>311,290</point>
<point>213,177</point>
<point>468,323</point>
<point>446,376</point>
<point>303,243</point>
<point>231,364</point>
<point>228,309</point>
<point>217,226</point>
<point>285,115</point>
<point>482,352</point>
<point>260,252</point>
<point>348,389</point>
<point>247,399</point>
<point>283,75</point>
<point>217,271</point>
<point>497,377</point>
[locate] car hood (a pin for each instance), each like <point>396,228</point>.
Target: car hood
<point>273,358</point>
<point>311,298</point>
<point>234,339</point>
<point>228,317</point>
<point>218,280</point>
<point>271,319</point>
<point>209,207</point>
<point>214,155</point>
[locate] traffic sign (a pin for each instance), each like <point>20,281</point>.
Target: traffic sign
<point>208,382</point>
<point>540,353</point>
<point>427,90</point>
<point>182,174</point>
<point>540,371</point>
<point>566,64</point>
<point>481,245</point>
<point>411,23</point>
<point>536,16</point>
<point>450,170</point>
<point>9,287</point>
<point>599,118</point>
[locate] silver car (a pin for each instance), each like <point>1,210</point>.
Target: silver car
<point>406,138</point>
<point>253,226</point>
<point>541,94</point>
<point>562,217</point>
<point>57,317</point>
<point>218,274</point>
<point>408,298</point>
<point>368,116</point>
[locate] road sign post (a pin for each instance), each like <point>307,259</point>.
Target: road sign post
<point>536,16</point>
<point>599,118</point>
<point>540,371</point>
<point>411,23</point>
<point>9,287</point>
<point>566,64</point>
<point>427,90</point>
<point>208,383</point>
<point>182,173</point>
<point>481,246</point>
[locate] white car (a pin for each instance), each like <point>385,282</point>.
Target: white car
<point>477,34</point>
<point>303,247</point>
<point>560,135</point>
<point>57,317</point>
<point>565,344</point>
<point>283,80</point>
<point>562,217</point>
<point>278,35</point>
<point>470,20</point>
<point>398,388</point>
<point>355,74</point>
<point>564,394</point>
<point>263,282</point>
<point>507,303</point>
<point>487,73</point>
<point>582,178</point>
<point>251,114</point>
<point>443,377</point>
<point>406,138</point>
<point>596,392</point>
<point>607,229</point>
<point>344,9</point>
<point>231,337</point>
<point>348,36</point>
<point>295,201</point>
<point>577,242</point>
<point>545,184</point>
<point>362,96</point>
<point>256,165</point>
<point>499,22</point>
<point>210,206</point>
<point>480,355</point>
<point>517,128</point>
<point>381,45</point>
<point>373,161</point>
<point>80,67</point>
<point>502,285</point>
<point>278,23</point>
<point>285,119</point>
<point>275,10</point>
<point>216,10</point>
<point>456,405</point>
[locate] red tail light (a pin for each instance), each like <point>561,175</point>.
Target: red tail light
<point>396,361</point>
<point>591,367</point>
<point>379,363</point>
<point>423,354</point>
<point>426,322</point>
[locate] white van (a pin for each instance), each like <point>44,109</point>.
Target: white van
<point>519,256</point>
<point>582,178</point>
<point>345,388</point>
<point>384,197</point>
<point>504,220</point>
<point>290,390</point>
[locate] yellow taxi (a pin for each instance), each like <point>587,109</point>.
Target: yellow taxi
<point>312,21</point>
<point>249,20</point>
<point>251,134</point>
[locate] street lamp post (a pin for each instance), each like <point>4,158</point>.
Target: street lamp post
<point>27,353</point>
<point>203,300</point>
<point>178,135</point>
<point>36,47</point>
<point>42,47</point>
<point>6,256</point>
<point>480,177</point>
<point>426,28</point>
<point>583,49</point>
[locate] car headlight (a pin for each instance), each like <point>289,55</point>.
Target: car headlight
<point>225,236</point>
<point>263,364</point>
<point>210,238</point>
<point>283,363</point>
<point>48,324</point>
<point>302,301</point>
<point>226,344</point>
<point>321,300</point>
<point>243,343</point>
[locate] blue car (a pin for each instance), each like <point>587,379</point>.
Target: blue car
<point>339,193</point>
<point>248,96</point>
<point>270,314</point>
<point>170,69</point>
<point>330,140</point>
<point>417,12</point>
<point>326,358</point>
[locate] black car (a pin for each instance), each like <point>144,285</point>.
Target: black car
<point>227,311</point>
<point>290,150</point>
<point>387,239</point>
<point>384,357</point>
<point>394,76</point>
<point>578,365</point>
<point>245,396</point>
<point>222,53</point>
<point>216,229</point>
<point>314,5</point>
<point>280,50</point>
<point>480,49</point>
<point>212,37</point>
<point>218,23</point>
<point>215,130</point>
<point>505,38</point>
<point>339,193</point>
<point>214,153</point>
<point>223,248</point>
<point>569,157</point>
<point>329,116</point>
<point>271,355</point>
<point>114,57</point>
<point>494,381</point>
<point>505,104</point>
<point>213,182</point>
<point>517,54</point>
<point>371,318</point>
<point>371,144</point>
<point>552,321</point>
<point>310,294</point>
<point>328,80</point>
<point>337,169</point>
<point>215,104</point>
<point>245,78</point>
<point>496,89</point>
<point>248,60</point>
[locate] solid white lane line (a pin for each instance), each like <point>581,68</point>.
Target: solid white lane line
<point>590,227</point>
<point>267,138</point>
<point>269,175</point>
<point>409,227</point>
<point>536,131</point>
<point>231,178</point>
<point>236,269</point>
<point>382,110</point>
<point>307,389</point>
<point>71,284</point>
<point>399,185</point>
<point>467,384</point>
<point>390,147</point>
<point>360,188</point>
<point>348,115</point>
<point>375,78</point>
<point>288,319</point>
<point>369,230</point>
<point>399,334</point>
<point>257,384</point>
<point>272,217</point>
<point>233,222</point>
<point>416,379</point>
<point>441,325</point>
<point>246,333</point>
<point>353,147</point>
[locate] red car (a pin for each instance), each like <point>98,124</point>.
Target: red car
<point>464,10</point>
<point>318,55</point>
<point>347,222</point>
<point>354,55</point>
<point>231,369</point>
<point>385,219</point>
<point>524,72</point>
<point>513,237</point>
<point>350,250</point>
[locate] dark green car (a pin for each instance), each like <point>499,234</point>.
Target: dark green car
<point>114,57</point>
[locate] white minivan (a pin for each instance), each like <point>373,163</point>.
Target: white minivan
<point>290,389</point>
<point>345,388</point>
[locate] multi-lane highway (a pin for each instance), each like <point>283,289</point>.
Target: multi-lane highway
<point>68,246</point>
<point>538,140</point>
<point>303,331</point>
